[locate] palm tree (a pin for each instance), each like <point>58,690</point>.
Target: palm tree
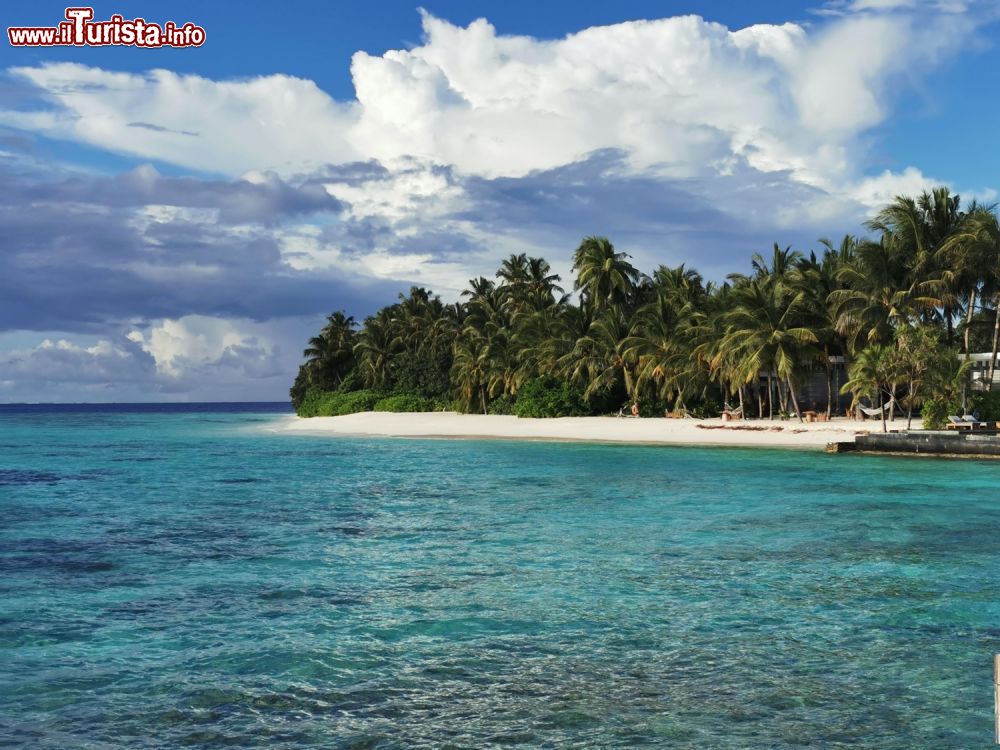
<point>920,362</point>
<point>662,353</point>
<point>870,374</point>
<point>706,331</point>
<point>557,339</point>
<point>514,270</point>
<point>974,250</point>
<point>782,263</point>
<point>502,365</point>
<point>672,336</point>
<point>680,289</point>
<point>543,285</point>
<point>603,275</point>
<point>598,360</point>
<point>764,331</point>
<point>413,318</point>
<point>470,370</point>
<point>916,229</point>
<point>375,349</point>
<point>330,354</point>
<point>816,279</point>
<point>661,341</point>
<point>876,294</point>
<point>487,304</point>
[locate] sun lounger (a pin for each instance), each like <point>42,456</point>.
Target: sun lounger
<point>957,423</point>
<point>968,422</point>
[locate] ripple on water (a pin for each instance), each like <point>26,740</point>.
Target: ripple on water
<point>27,476</point>
<point>249,589</point>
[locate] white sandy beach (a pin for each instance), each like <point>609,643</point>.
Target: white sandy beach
<point>785,434</point>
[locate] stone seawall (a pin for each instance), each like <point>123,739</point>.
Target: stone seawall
<point>931,443</point>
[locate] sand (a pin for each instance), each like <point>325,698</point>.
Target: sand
<point>785,434</point>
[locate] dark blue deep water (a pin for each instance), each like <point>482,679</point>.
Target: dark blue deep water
<point>193,577</point>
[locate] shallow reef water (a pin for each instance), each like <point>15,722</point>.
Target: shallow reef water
<point>190,577</point>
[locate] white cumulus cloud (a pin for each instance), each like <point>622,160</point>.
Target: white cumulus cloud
<point>682,96</point>
<point>199,342</point>
<point>220,126</point>
<point>681,139</point>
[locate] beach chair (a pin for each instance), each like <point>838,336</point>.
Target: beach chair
<point>968,423</point>
<point>975,423</point>
<point>956,423</point>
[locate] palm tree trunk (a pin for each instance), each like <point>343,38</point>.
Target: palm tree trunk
<point>892,403</point>
<point>881,408</point>
<point>742,415</point>
<point>968,321</point>
<point>829,385</point>
<point>795,401</point>
<point>760,398</point>
<point>770,397</point>
<point>996,342</point>
<point>482,397</point>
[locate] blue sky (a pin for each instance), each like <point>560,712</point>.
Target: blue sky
<point>268,40</point>
<point>177,222</point>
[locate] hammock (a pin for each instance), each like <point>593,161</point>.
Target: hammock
<point>877,412</point>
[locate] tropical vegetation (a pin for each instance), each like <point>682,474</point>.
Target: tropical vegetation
<point>902,308</point>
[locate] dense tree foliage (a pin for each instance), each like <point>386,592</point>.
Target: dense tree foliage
<point>899,307</point>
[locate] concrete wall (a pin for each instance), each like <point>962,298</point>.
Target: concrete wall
<point>931,443</point>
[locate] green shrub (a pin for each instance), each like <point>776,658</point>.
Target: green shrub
<point>987,405</point>
<point>543,397</point>
<point>300,388</point>
<point>710,406</point>
<point>422,374</point>
<point>649,408</point>
<point>333,404</point>
<point>355,401</point>
<point>310,403</point>
<point>608,400</point>
<point>935,412</point>
<point>501,405</point>
<point>352,382</point>
<point>406,402</point>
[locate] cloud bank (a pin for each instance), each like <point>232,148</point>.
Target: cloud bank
<point>681,139</point>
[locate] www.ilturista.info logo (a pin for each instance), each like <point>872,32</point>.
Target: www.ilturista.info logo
<point>80,30</point>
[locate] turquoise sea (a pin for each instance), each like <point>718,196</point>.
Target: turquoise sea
<point>187,577</point>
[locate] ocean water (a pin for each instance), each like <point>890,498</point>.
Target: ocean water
<point>191,578</point>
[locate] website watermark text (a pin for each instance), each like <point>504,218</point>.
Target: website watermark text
<point>81,30</point>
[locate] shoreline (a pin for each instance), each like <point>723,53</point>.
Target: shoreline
<point>621,430</point>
